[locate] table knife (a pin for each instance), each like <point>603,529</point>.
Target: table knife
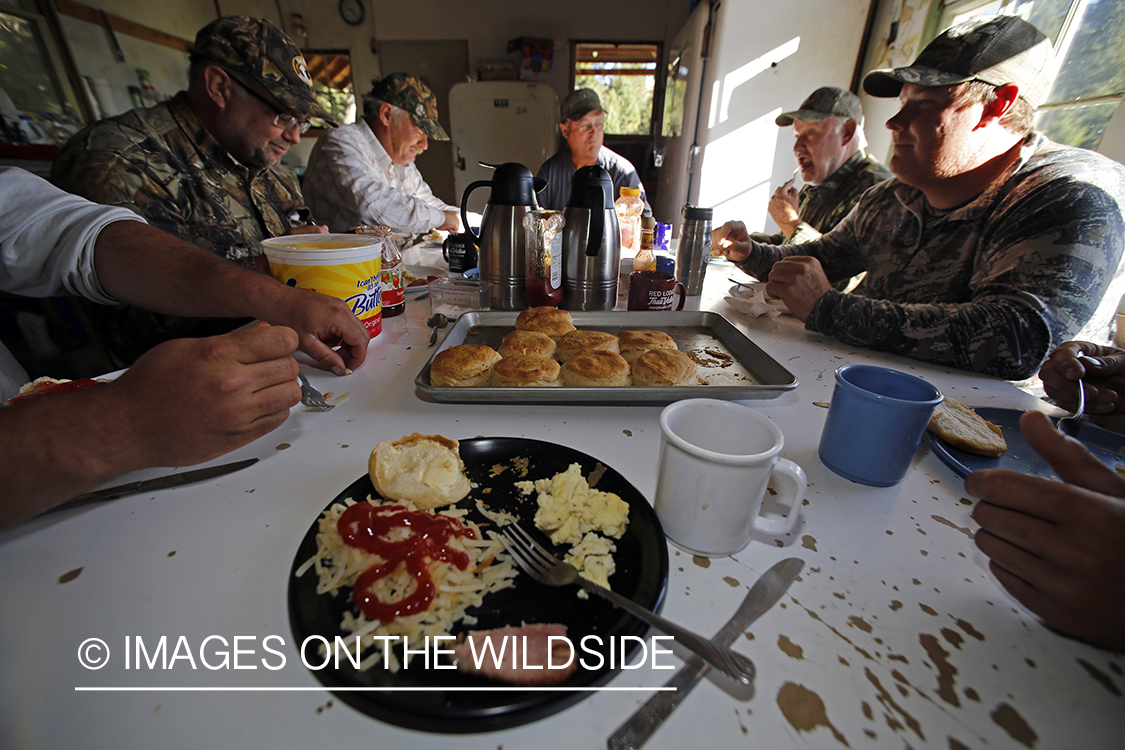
<point>172,480</point>
<point>765,592</point>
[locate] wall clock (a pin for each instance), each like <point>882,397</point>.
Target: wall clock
<point>352,12</point>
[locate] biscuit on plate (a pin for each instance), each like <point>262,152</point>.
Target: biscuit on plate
<point>525,371</point>
<point>596,368</point>
<point>962,428</point>
<point>664,367</point>
<point>577,341</point>
<point>635,343</point>
<point>552,321</point>
<point>527,342</point>
<point>425,470</point>
<point>464,365</point>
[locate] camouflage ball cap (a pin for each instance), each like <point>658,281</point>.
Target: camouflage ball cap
<point>996,50</point>
<point>257,48</point>
<point>408,93</point>
<point>579,103</point>
<point>825,102</point>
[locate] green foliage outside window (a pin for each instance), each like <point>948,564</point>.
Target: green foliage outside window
<point>627,99</point>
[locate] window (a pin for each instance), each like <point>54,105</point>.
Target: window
<point>331,71</point>
<point>29,63</point>
<point>1089,39</point>
<point>624,75</point>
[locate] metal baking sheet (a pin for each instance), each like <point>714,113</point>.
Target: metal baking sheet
<point>732,366</point>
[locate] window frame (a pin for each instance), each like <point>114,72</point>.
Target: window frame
<point>656,120</point>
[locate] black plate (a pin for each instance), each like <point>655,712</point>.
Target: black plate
<point>642,575</point>
<point>1020,456</point>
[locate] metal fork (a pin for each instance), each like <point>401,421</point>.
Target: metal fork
<point>544,567</point>
<point>311,397</point>
<point>1069,425</point>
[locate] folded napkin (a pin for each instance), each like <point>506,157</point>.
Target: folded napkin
<point>751,300</point>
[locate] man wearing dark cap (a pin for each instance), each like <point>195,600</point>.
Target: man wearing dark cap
<point>992,245</point>
<point>583,126</point>
<point>834,167</point>
<point>364,173</point>
<point>204,165</point>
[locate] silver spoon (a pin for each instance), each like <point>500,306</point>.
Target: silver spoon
<point>437,321</point>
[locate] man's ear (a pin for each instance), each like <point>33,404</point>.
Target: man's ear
<point>386,110</point>
<point>218,86</point>
<point>563,129</point>
<point>1006,96</point>
<point>847,131</point>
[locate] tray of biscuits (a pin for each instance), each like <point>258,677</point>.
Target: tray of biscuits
<point>544,355</point>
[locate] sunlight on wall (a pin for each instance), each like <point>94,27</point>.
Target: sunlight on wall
<point>735,78</point>
<point>736,169</point>
<point>734,179</point>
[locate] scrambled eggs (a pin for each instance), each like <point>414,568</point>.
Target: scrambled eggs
<point>570,512</point>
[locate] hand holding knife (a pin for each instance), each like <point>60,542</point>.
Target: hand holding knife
<point>648,718</point>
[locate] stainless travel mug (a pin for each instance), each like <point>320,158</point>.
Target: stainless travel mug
<point>694,248</point>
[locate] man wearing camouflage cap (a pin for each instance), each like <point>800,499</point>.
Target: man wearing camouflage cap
<point>835,170</point>
<point>364,172</point>
<point>582,124</point>
<point>992,245</point>
<point>204,165</point>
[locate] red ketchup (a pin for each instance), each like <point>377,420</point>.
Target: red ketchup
<point>542,294</point>
<point>51,388</point>
<point>367,527</point>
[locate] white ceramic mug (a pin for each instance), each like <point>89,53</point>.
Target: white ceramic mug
<point>716,458</point>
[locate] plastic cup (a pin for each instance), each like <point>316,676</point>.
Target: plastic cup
<point>345,266</point>
<point>875,423</point>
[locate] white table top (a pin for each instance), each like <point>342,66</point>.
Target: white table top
<point>895,635</point>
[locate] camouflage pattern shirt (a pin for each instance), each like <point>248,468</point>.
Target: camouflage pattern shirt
<point>162,163</point>
<point>991,286</point>
<point>821,207</point>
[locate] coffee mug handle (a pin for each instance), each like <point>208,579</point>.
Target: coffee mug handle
<point>683,295</point>
<point>445,247</point>
<point>781,526</point>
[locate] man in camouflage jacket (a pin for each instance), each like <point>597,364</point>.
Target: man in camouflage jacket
<point>205,165</point>
<point>992,245</point>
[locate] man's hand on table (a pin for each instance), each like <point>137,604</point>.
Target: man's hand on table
<point>188,401</point>
<point>731,240</point>
<point>1102,369</point>
<point>799,282</point>
<point>783,208</point>
<point>452,222</point>
<point>1058,547</point>
<point>318,318</point>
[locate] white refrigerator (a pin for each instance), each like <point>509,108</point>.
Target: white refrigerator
<point>496,122</point>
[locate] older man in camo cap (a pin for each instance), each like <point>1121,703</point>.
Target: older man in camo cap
<point>992,245</point>
<point>203,165</point>
<point>364,173</point>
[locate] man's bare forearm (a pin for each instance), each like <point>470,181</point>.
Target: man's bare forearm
<point>144,266</point>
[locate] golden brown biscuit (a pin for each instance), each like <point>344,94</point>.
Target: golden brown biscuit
<point>464,365</point>
<point>577,341</point>
<point>527,342</point>
<point>664,367</point>
<point>596,368</point>
<point>549,320</point>
<point>423,469</point>
<point>635,343</point>
<point>524,371</point>
<point>964,429</point>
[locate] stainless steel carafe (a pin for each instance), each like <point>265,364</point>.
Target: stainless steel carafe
<point>591,243</point>
<point>502,240</point>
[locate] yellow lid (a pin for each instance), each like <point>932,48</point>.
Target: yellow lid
<point>631,191</point>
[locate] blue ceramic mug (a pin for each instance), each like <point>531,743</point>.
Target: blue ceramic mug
<point>875,423</point>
